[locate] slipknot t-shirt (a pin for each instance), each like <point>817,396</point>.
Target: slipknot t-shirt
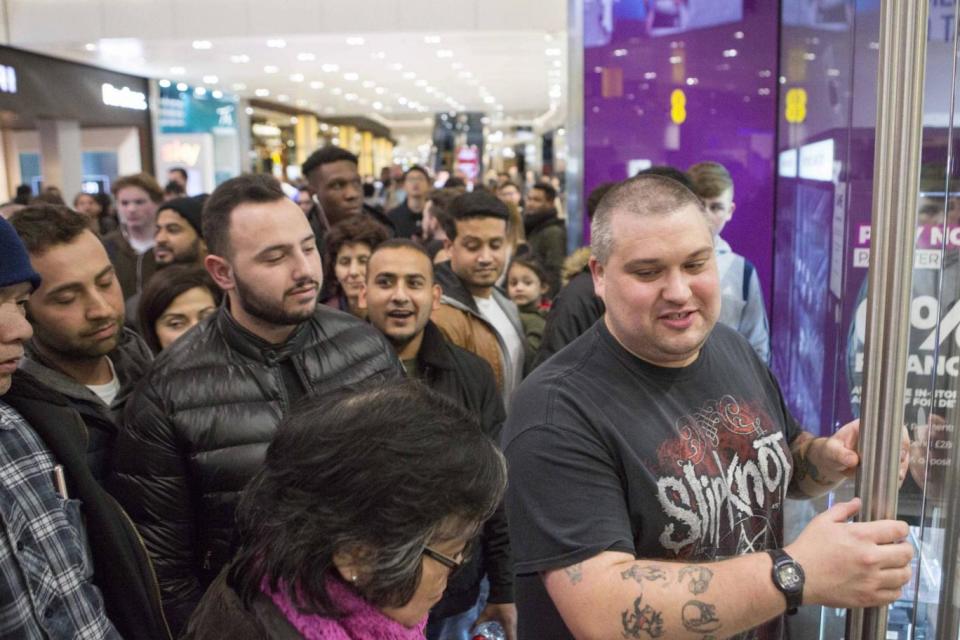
<point>607,452</point>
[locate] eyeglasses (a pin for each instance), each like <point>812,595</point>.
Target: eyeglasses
<point>452,564</point>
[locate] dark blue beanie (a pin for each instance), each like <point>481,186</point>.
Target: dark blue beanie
<point>14,259</point>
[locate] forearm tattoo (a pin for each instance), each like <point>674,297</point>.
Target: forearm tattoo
<point>700,578</point>
<point>804,468</point>
<point>574,572</point>
<point>640,573</point>
<point>643,619</point>
<point>700,617</point>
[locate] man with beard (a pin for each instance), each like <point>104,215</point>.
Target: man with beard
<point>546,233</point>
<point>199,426</point>
<point>399,297</point>
<point>473,314</point>
<point>80,347</point>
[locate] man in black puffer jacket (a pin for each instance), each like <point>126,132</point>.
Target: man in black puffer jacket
<point>200,422</point>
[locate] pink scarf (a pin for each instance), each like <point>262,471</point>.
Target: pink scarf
<point>361,620</point>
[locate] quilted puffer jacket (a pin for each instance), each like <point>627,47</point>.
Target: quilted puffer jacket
<point>198,426</point>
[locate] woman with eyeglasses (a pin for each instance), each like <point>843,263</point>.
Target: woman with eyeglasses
<point>363,509</point>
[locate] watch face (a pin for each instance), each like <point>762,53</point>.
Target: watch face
<point>789,577</point>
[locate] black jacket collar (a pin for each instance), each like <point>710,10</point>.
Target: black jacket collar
<point>533,222</point>
<point>255,347</point>
<point>433,349</point>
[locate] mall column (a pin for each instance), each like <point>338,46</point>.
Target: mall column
<point>60,156</point>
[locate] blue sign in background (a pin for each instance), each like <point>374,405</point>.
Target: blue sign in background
<point>188,112</point>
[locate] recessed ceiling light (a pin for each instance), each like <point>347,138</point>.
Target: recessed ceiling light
<point>270,69</point>
<point>296,77</point>
<point>421,83</point>
<point>202,44</point>
<point>276,43</point>
<point>330,68</point>
<point>283,98</point>
<point>378,105</point>
<point>456,66</point>
<point>553,51</point>
<point>409,75</point>
<point>248,111</point>
<point>465,74</point>
<point>240,58</point>
<point>306,57</point>
<point>177,71</point>
<point>211,79</point>
<point>262,93</point>
<point>316,84</point>
<point>369,84</point>
<point>432,39</point>
<point>444,53</point>
<point>402,100</point>
<point>351,77</point>
<point>378,55</point>
<point>164,83</point>
<point>336,91</point>
<point>489,100</point>
<point>396,66</point>
<point>380,91</point>
<point>200,91</point>
<point>557,64</point>
<point>217,94</point>
<point>355,41</point>
<point>90,46</point>
<point>238,86</point>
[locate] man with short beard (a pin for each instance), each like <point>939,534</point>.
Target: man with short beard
<point>199,426</point>
<point>80,347</point>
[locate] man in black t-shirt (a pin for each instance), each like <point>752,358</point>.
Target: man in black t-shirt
<point>651,458</point>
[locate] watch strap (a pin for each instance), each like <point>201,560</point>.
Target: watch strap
<point>794,597</point>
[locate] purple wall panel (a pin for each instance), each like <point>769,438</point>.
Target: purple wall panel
<point>723,55</point>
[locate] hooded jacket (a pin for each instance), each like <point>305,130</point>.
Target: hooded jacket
<point>133,269</point>
<point>547,238</point>
<point>199,424</point>
<point>130,361</point>
<point>121,567</point>
<point>462,324</point>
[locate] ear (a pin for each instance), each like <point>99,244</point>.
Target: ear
<point>447,243</point>
<point>221,272</point>
<point>598,272</point>
<point>437,292</point>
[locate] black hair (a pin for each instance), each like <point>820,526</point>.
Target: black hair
<point>455,182</point>
<point>42,226</point>
<point>533,265</point>
<point>666,171</point>
<point>593,200</point>
<point>377,474</point>
<point>547,189</point>
<point>161,290</point>
<point>326,155</point>
<point>180,170</point>
<point>478,204</point>
<point>354,229</point>
<point>24,193</point>
<point>249,187</point>
<point>419,169</point>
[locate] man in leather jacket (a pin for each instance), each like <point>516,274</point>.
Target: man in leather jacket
<point>200,422</point>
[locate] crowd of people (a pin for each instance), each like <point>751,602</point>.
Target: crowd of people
<point>250,415</point>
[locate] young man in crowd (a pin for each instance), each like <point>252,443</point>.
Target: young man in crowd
<point>546,233</point>
<point>198,428</point>
<point>178,175</point>
<point>650,460</point>
<point>741,306</point>
<point>399,297</point>
<point>80,347</point>
<point>473,314</point>
<point>407,218</point>
<point>130,247</point>
<point>334,177</point>
<point>509,193</point>
<point>71,565</point>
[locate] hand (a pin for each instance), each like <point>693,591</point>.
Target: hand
<point>852,564</point>
<point>505,614</point>
<point>905,454</point>
<point>836,457</point>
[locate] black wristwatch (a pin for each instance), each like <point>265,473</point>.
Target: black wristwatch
<point>788,577</point>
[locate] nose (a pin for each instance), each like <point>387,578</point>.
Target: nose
<point>352,191</point>
<point>400,294</point>
<point>302,267</point>
<point>676,288</point>
<point>98,307</point>
<point>14,327</point>
<point>160,235</point>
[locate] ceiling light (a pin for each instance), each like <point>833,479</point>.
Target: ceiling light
<point>302,103</point>
<point>378,105</point>
<point>402,100</point>
<point>248,111</point>
<point>465,74</point>
<point>200,91</point>
<point>306,57</point>
<point>262,93</point>
<point>164,83</point>
<point>650,75</point>
<point>553,51</point>
<point>240,58</point>
<point>619,53</point>
<point>296,77</point>
<point>202,44</point>
<point>270,69</point>
<point>211,79</point>
<point>396,66</point>
<point>693,81</point>
<point>276,43</point>
<point>421,83</point>
<point>444,53</point>
<point>182,86</point>
<point>330,68</point>
<point>336,91</point>
<point>355,41</point>
<point>283,98</point>
<point>738,35</point>
<point>369,84</point>
<point>456,66</point>
<point>557,64</point>
<point>294,120</point>
<point>489,100</point>
<point>380,91</point>
<point>351,77</point>
<point>177,71</point>
<point>350,97</point>
<point>676,59</point>
<point>90,46</point>
<point>316,84</point>
<point>729,53</point>
<point>238,86</point>
<point>217,94</point>
<point>432,39</point>
<point>556,92</point>
<point>409,75</point>
<point>379,55</point>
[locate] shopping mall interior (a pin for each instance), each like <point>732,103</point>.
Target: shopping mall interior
<point>804,102</point>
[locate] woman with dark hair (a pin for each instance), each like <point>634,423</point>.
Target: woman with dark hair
<point>348,247</point>
<point>88,205</point>
<point>175,299</point>
<point>361,512</point>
